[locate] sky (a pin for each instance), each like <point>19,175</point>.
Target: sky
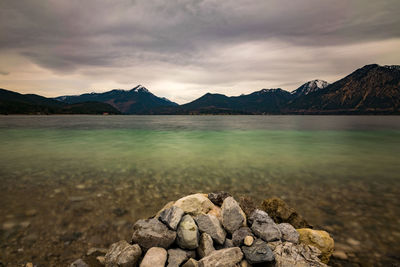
<point>182,49</point>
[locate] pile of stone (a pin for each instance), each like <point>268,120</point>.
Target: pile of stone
<point>216,230</point>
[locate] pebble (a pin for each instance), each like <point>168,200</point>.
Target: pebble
<point>248,240</point>
<point>353,242</point>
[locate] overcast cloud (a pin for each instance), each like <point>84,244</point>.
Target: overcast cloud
<point>182,49</point>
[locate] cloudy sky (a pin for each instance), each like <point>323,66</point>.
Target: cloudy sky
<point>182,49</point>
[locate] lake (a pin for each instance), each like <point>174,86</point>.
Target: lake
<point>73,182</point>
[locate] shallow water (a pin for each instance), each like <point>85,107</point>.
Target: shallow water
<point>63,178</point>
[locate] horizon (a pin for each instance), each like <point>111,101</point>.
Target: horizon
<point>182,50</point>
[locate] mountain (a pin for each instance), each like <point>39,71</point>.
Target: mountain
<point>372,89</point>
<point>15,103</point>
<point>265,101</point>
<point>136,101</point>
<point>310,87</point>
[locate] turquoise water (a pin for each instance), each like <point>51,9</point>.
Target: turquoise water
<point>340,172</point>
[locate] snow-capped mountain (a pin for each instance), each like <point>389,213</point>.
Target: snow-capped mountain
<point>138,100</point>
<point>310,87</point>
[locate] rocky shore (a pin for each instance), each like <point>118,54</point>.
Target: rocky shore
<point>217,230</point>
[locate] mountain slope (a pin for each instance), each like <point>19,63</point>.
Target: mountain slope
<point>264,101</point>
<point>136,101</point>
<point>15,103</point>
<point>310,87</point>
<point>370,89</point>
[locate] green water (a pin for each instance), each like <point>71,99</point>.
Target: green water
<point>342,173</point>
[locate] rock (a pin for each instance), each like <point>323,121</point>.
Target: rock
<point>258,252</point>
<point>341,255</point>
<point>31,212</point>
<point>211,225</point>
<point>154,257</point>
<point>288,233</point>
<point>247,204</point>
<point>319,239</point>
<point>191,263</point>
<point>216,211</point>
<point>224,257</point>
<point>119,212</point>
<point>280,212</point>
<point>101,260</point>
<point>96,251</point>
<point>205,245</point>
<point>79,263</point>
<point>239,235</point>
<point>244,263</point>
<point>260,216</point>
<point>171,217</point>
<point>232,215</point>
<point>218,198</point>
<point>187,233</point>
<point>28,264</point>
<point>9,225</point>
<point>267,231</point>
<point>177,256</point>
<point>248,240</point>
<point>122,254</point>
<point>167,206</point>
<point>297,255</point>
<point>194,204</point>
<point>152,233</point>
<point>353,242</point>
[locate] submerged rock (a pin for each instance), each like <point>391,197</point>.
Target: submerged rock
<point>77,263</point>
<point>280,212</point>
<point>319,239</point>
<point>247,204</point>
<point>171,217</point>
<point>194,204</point>
<point>155,256</point>
<point>187,233</point>
<point>122,254</point>
<point>223,257</point>
<point>211,225</point>
<point>152,233</point>
<point>258,252</point>
<point>232,215</point>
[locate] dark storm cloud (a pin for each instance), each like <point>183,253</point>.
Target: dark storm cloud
<point>209,37</point>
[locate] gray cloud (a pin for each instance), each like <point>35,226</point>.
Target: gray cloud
<point>155,38</point>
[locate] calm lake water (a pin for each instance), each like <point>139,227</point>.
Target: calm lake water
<point>73,182</point>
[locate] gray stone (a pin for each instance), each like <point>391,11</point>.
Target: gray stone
<point>154,257</point>
<point>152,233</point>
<point>122,254</point>
<point>232,215</point>
<point>205,246</point>
<point>210,224</point>
<point>218,198</point>
<point>191,263</point>
<point>267,231</point>
<point>226,257</point>
<point>259,216</point>
<point>239,235</point>
<point>297,255</point>
<point>171,217</point>
<point>187,233</point>
<point>78,263</point>
<point>178,256</point>
<point>258,252</point>
<point>228,243</point>
<point>288,233</point>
